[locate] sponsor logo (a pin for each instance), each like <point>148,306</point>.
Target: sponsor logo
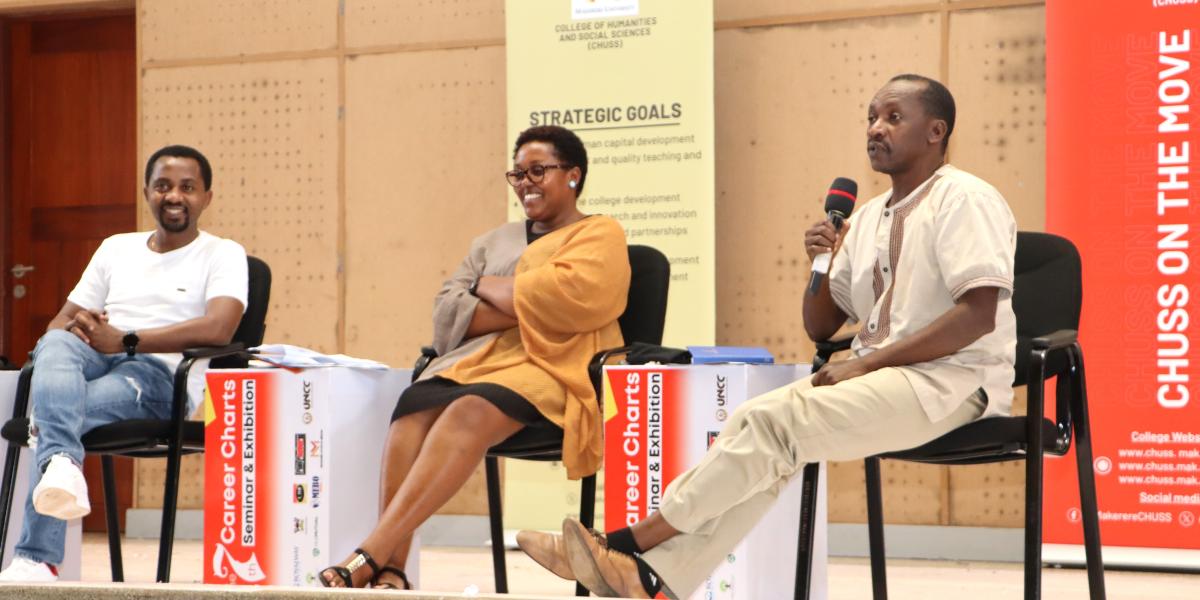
<point>298,524</point>
<point>722,397</point>
<point>316,491</point>
<point>306,402</point>
<point>298,493</point>
<point>301,466</point>
<point>712,437</point>
<point>226,566</point>
<point>314,449</point>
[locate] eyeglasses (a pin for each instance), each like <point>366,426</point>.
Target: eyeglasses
<point>535,173</point>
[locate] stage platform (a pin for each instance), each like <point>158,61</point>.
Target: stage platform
<point>447,572</point>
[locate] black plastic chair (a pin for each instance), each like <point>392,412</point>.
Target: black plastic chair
<point>642,322</point>
<point>1047,296</point>
<point>146,438</point>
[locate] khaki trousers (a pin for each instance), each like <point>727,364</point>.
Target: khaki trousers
<point>765,443</point>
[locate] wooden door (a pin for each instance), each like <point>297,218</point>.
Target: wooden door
<point>72,175</point>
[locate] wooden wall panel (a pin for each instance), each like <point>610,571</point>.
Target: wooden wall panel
<point>998,77</point>
<point>785,128</point>
<point>186,30</point>
<point>913,494</point>
<point>151,472</point>
<point>726,10</point>
<point>270,132</point>
<point>425,160</point>
<point>425,157</point>
<point>386,22</point>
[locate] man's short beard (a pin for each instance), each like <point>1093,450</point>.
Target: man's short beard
<point>173,227</point>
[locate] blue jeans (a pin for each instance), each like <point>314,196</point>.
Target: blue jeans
<point>74,390</point>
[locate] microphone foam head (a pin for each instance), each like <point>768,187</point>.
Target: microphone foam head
<point>842,194</point>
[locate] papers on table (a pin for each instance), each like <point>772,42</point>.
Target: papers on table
<point>295,357</point>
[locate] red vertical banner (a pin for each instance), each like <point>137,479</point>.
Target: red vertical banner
<point>1122,123</point>
<point>237,478</point>
<point>644,441</point>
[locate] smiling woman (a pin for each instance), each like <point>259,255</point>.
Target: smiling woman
<point>514,328</point>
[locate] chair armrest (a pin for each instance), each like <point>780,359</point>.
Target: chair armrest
<point>1059,347</point>
<point>21,402</point>
<point>1055,341</point>
<point>826,348</point>
<point>427,356</point>
<point>179,392</point>
<point>596,370</point>
<point>214,351</point>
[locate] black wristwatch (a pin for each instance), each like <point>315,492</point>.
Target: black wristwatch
<point>130,341</point>
<point>474,289</point>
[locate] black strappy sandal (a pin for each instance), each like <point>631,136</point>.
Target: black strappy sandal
<point>390,586</point>
<point>360,558</point>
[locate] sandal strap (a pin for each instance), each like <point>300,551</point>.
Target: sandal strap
<point>398,573</point>
<point>355,564</point>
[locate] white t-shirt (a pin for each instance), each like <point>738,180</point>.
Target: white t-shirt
<point>903,266</point>
<point>143,289</point>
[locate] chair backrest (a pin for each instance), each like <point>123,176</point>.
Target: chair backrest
<point>253,325</point>
<point>646,311</point>
<point>1047,291</point>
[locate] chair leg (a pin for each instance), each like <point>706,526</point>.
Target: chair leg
<point>111,523</point>
<point>1033,518</point>
<point>804,545</point>
<point>587,515</point>
<point>12,460</point>
<point>1087,485</point>
<point>496,517</point>
<point>875,529</point>
<point>166,535</point>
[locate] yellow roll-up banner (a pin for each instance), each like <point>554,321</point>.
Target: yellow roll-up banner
<point>634,79</point>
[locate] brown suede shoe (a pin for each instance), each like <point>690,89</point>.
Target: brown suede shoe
<point>604,571</point>
<point>547,549</point>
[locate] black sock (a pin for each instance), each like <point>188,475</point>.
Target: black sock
<point>622,541</point>
<point>651,582</point>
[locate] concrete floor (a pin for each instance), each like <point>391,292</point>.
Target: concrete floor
<point>452,570</point>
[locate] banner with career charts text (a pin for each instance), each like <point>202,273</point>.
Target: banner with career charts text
<point>1121,183</point>
<point>634,79</point>
<point>265,519</point>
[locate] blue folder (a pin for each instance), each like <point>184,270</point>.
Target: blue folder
<point>702,355</point>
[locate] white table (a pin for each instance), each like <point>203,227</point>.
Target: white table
<point>292,470</point>
<point>654,415</point>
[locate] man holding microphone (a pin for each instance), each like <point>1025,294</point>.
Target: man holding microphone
<point>926,269</point>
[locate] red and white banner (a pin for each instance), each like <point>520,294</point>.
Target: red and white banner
<point>291,480</point>
<point>659,422</point>
<point>1121,183</point>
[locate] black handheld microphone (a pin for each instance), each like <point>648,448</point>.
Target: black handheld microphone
<point>839,203</point>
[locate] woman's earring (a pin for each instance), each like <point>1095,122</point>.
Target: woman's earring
<point>571,184</point>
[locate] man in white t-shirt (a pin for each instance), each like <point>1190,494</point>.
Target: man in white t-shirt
<point>927,269</point>
<point>111,352</point>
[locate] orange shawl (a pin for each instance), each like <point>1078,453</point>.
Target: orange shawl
<point>571,285</point>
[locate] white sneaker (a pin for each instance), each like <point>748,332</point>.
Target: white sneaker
<point>27,571</point>
<point>62,492</point>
